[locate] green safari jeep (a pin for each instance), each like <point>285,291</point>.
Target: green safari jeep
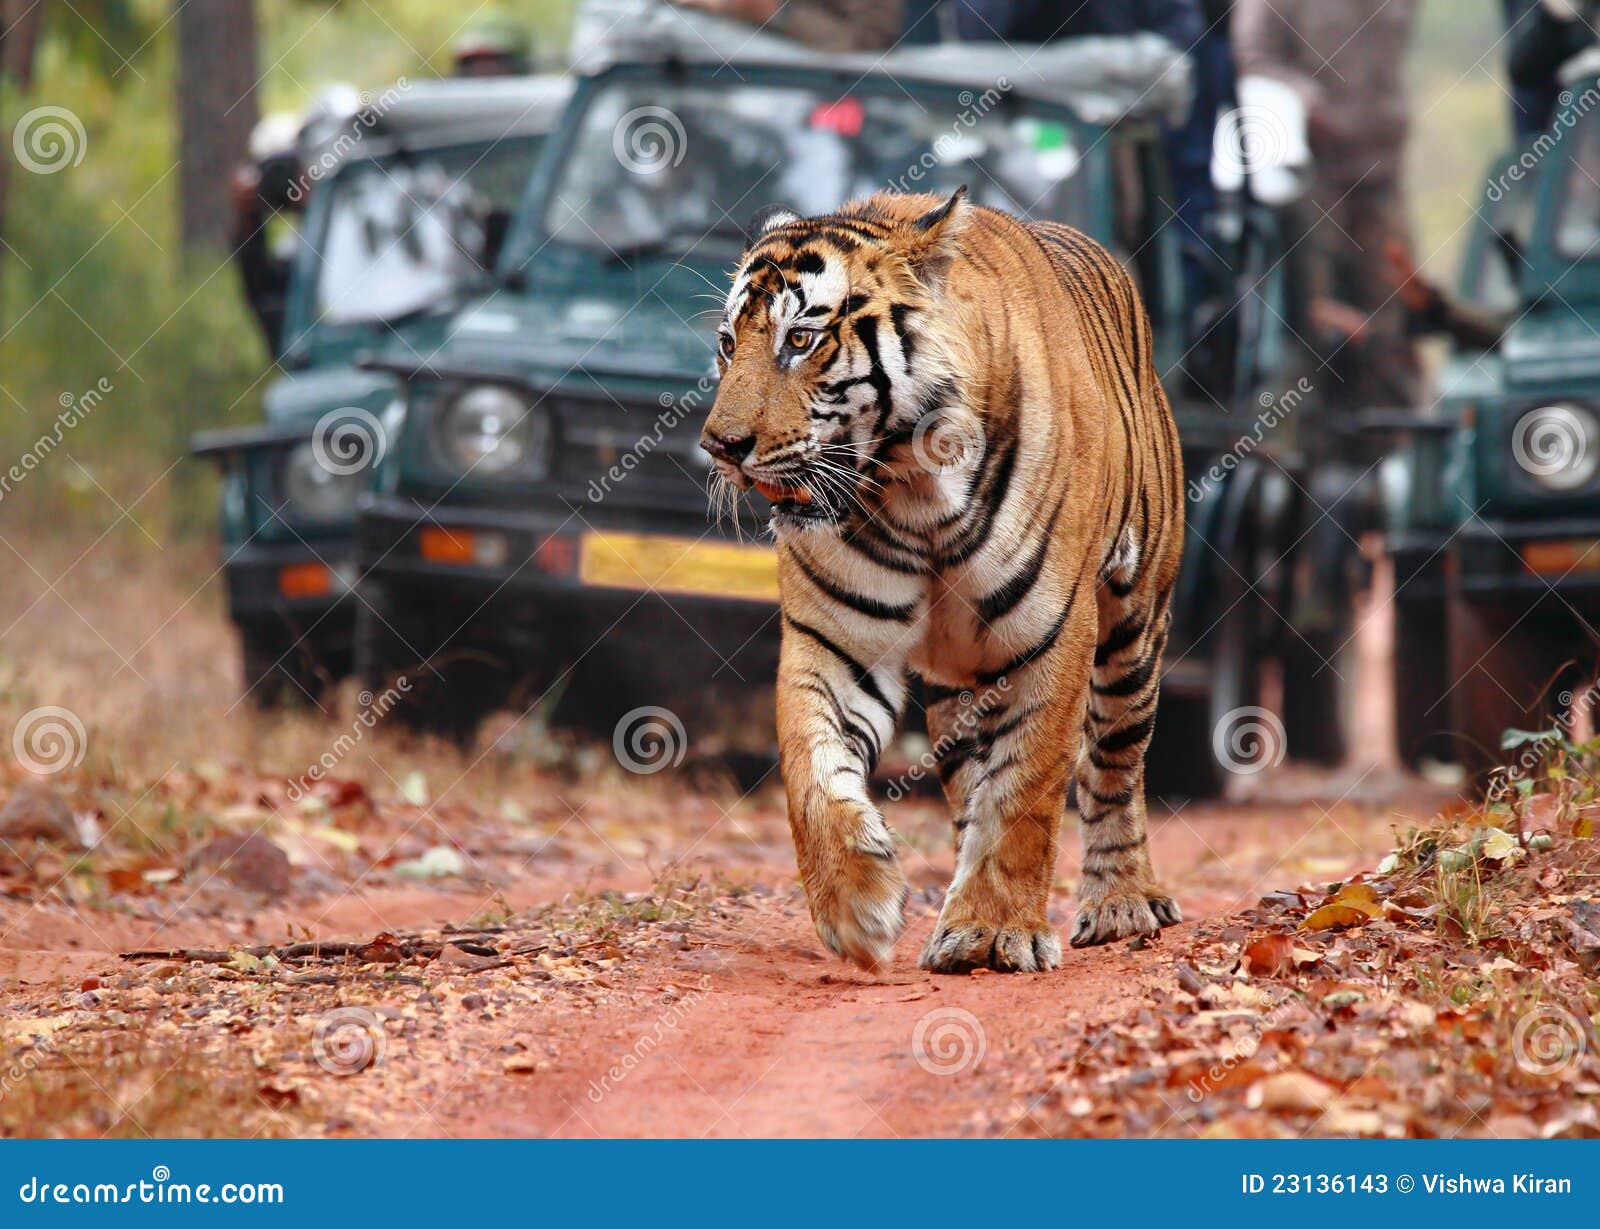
<point>538,528</point>
<point>1492,501</point>
<point>541,517</point>
<point>405,203</point>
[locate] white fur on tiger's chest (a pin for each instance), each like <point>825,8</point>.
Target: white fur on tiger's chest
<point>961,642</point>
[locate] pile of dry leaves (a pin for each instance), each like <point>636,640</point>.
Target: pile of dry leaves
<point>1455,990</point>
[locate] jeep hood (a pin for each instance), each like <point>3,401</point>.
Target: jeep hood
<point>1550,348</point>
<point>334,382</point>
<point>550,337</point>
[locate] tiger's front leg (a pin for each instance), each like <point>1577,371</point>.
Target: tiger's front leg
<point>1005,776</point>
<point>837,710</point>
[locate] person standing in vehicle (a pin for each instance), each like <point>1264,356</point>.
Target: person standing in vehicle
<point>1542,35</point>
<point>1346,60</point>
<point>1198,28</point>
<point>1533,96</point>
<point>494,47</point>
<point>826,25</point>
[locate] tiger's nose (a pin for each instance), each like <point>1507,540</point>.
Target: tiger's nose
<point>730,448</point>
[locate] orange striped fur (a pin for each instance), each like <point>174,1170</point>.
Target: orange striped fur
<point>976,483</point>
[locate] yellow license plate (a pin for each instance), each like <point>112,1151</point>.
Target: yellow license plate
<point>1562,555</point>
<point>678,565</point>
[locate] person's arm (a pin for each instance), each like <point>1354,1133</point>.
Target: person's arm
<point>1265,44</point>
<point>1430,311</point>
<point>843,25</point>
<point>1545,39</point>
<point>1178,21</point>
<point>827,25</point>
<point>984,21</point>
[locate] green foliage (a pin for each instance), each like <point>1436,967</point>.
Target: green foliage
<point>95,287</point>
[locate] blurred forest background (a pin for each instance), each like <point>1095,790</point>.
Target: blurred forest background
<point>96,283</point>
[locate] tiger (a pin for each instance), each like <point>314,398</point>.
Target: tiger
<point>975,488</point>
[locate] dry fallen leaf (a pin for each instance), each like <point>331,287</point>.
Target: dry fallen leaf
<point>1289,1092</point>
<point>1271,955</point>
<point>1335,917</point>
<point>1353,905</point>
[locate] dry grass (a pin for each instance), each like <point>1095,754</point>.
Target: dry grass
<point>121,1086</point>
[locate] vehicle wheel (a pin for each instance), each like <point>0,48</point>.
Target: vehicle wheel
<point>284,671</point>
<point>409,669</point>
<point>1420,668</point>
<point>1183,760</point>
<point>1317,643</point>
<point>1318,692</point>
<point>1506,666</point>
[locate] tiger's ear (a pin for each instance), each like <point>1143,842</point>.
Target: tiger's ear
<point>929,241</point>
<point>769,217</point>
<point>942,217</point>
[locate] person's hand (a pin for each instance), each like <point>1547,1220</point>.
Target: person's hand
<point>1400,271</point>
<point>1322,126</point>
<point>1562,10</point>
<point>244,188</point>
<point>1339,319</point>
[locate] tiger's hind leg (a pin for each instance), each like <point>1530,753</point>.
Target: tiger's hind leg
<point>1119,895</point>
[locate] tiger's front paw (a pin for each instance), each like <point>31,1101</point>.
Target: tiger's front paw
<point>961,946</point>
<point>1122,915</point>
<point>859,909</point>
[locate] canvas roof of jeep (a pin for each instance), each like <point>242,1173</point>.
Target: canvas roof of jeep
<point>448,110</point>
<point>1103,79</point>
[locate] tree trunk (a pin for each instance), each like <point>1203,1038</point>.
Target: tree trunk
<point>216,111</point>
<point>20,21</point>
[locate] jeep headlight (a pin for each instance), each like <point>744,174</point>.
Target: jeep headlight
<point>490,430</point>
<point>314,491</point>
<point>1558,446</point>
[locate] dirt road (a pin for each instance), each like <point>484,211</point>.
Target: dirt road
<point>696,1002</point>
<point>527,939</point>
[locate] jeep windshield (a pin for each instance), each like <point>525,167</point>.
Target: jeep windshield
<point>1577,222</point>
<point>675,168</point>
<point>406,233</point>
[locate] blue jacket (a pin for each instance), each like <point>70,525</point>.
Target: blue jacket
<point>1045,21</point>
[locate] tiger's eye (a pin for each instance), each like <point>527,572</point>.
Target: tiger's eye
<point>725,344</point>
<point>801,339</point>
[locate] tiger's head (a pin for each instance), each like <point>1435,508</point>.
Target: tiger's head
<point>830,351</point>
